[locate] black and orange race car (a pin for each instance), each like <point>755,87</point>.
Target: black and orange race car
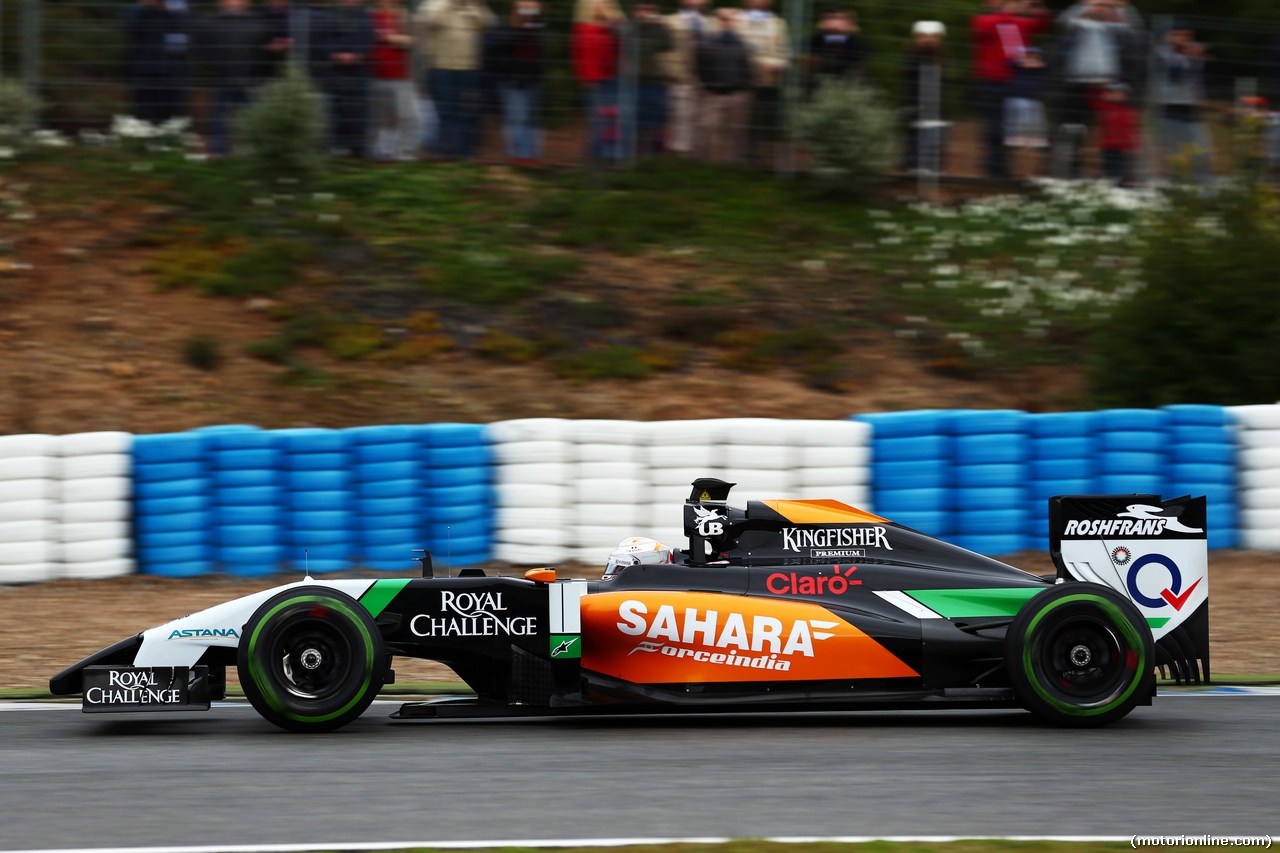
<point>784,606</point>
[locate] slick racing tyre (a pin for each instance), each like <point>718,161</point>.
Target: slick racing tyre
<point>311,659</point>
<point>1081,655</point>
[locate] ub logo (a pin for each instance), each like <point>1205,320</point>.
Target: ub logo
<point>710,522</point>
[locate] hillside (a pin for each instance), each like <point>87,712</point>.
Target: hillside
<point>161,294</point>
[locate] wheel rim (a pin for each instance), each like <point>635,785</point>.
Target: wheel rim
<point>311,659</point>
<point>1083,657</point>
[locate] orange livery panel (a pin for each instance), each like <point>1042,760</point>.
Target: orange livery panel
<point>648,637</point>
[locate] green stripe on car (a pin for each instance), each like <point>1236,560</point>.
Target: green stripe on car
<point>377,597</point>
<point>975,603</point>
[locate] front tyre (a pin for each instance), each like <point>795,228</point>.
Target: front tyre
<point>1081,655</point>
<point>310,659</point>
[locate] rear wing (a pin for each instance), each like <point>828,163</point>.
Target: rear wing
<point>1153,551</point>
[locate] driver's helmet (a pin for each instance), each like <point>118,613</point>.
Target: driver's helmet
<point>638,550</point>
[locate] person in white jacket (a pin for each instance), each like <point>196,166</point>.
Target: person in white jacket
<point>450,34</point>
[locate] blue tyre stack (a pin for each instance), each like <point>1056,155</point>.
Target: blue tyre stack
<point>457,474</point>
<point>1063,462</point>
<point>319,507</point>
<point>387,474</point>
<point>990,451</point>
<point>1132,451</point>
<point>172,501</point>
<point>248,500</point>
<point>1203,448</point>
<point>910,468</point>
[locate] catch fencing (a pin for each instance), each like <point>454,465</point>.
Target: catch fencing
<point>245,501</point>
<point>83,60</point>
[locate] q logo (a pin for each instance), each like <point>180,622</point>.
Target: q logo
<point>1169,595</point>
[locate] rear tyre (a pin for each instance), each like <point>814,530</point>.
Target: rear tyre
<point>311,659</point>
<point>1080,655</point>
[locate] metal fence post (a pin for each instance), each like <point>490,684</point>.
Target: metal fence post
<point>1152,144</point>
<point>629,92</point>
<point>31,52</point>
<point>796,16</point>
<point>929,130</point>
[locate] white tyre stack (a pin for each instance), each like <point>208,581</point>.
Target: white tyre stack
<point>29,541</point>
<point>759,456</point>
<point>94,506</point>
<point>833,460</point>
<point>678,453</point>
<point>1259,476</point>
<point>610,487</point>
<point>533,475</point>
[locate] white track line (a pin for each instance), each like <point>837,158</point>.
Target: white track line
<point>564,842</point>
<point>1164,694</point>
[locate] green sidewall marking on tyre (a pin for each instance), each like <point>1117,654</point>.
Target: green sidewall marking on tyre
<point>264,686</point>
<point>377,597</point>
<point>1130,633</point>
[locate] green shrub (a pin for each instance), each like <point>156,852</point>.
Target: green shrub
<point>261,270</point>
<point>613,362</point>
<point>850,135</point>
<point>19,108</point>
<point>1205,326</point>
<point>284,129</point>
<point>202,352</point>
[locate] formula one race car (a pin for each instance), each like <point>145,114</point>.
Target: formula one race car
<point>784,606</point>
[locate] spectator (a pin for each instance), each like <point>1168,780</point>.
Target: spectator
<point>1118,132</point>
<point>177,63</point>
<point>345,45</point>
<point>999,37</point>
<point>654,44</point>
<point>1025,125</point>
<point>837,50</point>
<point>767,36</point>
<point>594,50</point>
<point>277,38</point>
<point>230,42</point>
<point>727,76</point>
<point>147,59</point>
<point>519,55</point>
<point>1096,34</point>
<point>922,70</point>
<point>453,33</point>
<point>1179,92</point>
<point>689,27</point>
<point>395,107</point>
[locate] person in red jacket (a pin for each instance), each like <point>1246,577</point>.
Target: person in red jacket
<point>1118,132</point>
<point>593,48</point>
<point>999,37</point>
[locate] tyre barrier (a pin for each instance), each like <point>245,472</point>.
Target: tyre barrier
<point>990,452</point>
<point>94,523</point>
<point>457,477</point>
<point>248,501</point>
<point>911,470</point>
<point>982,479</point>
<point>386,478</point>
<point>1257,434</point>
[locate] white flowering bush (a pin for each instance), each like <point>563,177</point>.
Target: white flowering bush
<point>1017,275</point>
<point>136,135</point>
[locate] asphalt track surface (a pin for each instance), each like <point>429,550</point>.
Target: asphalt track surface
<point>1188,764</point>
